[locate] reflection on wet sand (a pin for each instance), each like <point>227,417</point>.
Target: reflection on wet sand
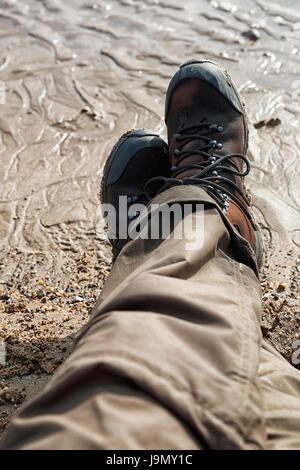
<point>73,77</point>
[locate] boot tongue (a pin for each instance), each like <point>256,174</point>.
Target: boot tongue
<point>198,144</point>
<point>194,144</point>
<point>213,151</point>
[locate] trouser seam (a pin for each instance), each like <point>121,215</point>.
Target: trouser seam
<point>248,327</point>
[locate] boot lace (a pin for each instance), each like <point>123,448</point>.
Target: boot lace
<point>219,187</point>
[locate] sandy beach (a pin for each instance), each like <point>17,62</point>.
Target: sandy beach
<point>76,75</point>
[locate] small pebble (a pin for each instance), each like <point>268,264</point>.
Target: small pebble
<point>41,293</point>
<point>5,297</point>
<point>281,286</point>
<point>252,34</point>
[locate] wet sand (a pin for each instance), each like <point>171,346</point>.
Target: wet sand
<point>73,77</point>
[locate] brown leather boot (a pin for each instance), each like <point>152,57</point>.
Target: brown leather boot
<point>208,140</point>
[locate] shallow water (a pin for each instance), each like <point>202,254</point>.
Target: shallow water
<point>75,75</point>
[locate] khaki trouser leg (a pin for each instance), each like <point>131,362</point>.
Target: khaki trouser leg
<point>170,358</point>
<point>280,383</point>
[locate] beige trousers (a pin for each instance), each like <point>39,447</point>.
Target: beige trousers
<point>173,356</point>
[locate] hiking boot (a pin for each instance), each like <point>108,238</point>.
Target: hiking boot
<point>138,156</point>
<point>208,141</point>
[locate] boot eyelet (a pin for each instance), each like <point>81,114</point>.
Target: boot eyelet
<point>131,199</point>
<point>213,143</point>
<point>219,145</point>
<point>215,173</point>
<point>177,136</point>
<point>176,152</point>
<point>213,127</point>
<point>220,129</point>
<point>174,168</point>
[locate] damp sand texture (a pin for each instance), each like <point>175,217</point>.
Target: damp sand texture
<point>76,75</point>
